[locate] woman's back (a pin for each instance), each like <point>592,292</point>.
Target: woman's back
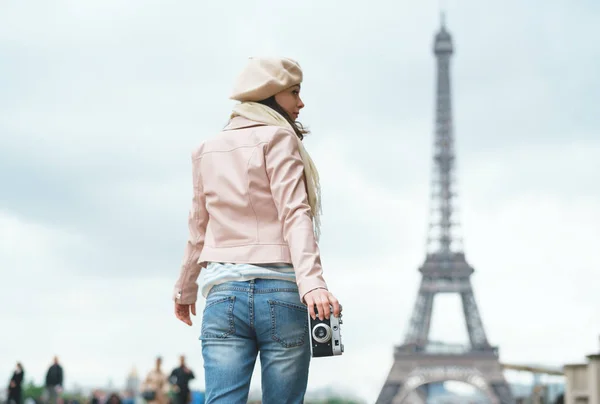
<point>233,175</point>
<point>250,203</point>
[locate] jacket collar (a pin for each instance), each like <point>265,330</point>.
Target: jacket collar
<point>240,122</point>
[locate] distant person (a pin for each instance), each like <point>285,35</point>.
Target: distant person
<point>180,378</point>
<point>15,387</point>
<point>254,224</point>
<point>95,397</point>
<point>156,385</point>
<point>54,381</point>
<point>113,398</point>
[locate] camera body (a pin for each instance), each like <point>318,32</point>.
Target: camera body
<point>325,336</point>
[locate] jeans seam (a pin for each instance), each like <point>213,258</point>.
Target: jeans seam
<point>218,288</point>
<point>275,290</point>
<point>228,288</point>
<point>251,305</point>
<point>220,300</point>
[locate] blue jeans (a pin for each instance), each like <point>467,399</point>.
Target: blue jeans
<point>243,319</point>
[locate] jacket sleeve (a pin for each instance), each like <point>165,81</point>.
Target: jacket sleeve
<point>186,287</point>
<point>286,175</point>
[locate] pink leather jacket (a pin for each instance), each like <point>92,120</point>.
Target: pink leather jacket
<point>250,206</point>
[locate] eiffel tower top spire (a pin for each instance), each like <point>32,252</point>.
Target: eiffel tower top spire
<point>442,237</point>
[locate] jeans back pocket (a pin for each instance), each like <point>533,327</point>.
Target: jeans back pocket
<point>217,318</point>
<point>289,323</point>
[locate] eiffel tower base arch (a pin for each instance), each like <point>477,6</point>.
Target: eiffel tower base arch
<point>423,376</point>
<point>481,370</point>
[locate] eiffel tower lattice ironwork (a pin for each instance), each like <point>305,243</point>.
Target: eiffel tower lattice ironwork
<point>419,362</point>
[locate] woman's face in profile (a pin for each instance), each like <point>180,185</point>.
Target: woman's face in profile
<point>290,101</point>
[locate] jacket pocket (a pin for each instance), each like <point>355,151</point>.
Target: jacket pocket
<point>289,323</point>
<point>217,318</point>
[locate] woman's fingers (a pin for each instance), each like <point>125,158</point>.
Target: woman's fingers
<point>182,312</point>
<point>324,302</point>
<point>310,303</point>
<point>336,305</point>
<point>321,308</point>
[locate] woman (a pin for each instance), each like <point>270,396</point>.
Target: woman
<point>156,385</point>
<point>15,388</point>
<point>254,226</point>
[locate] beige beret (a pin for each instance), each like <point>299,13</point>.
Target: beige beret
<point>265,77</point>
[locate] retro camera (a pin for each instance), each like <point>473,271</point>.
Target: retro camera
<point>325,335</point>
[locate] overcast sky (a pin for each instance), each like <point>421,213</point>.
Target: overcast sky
<point>101,103</point>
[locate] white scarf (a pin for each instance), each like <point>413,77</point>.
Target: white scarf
<point>261,113</point>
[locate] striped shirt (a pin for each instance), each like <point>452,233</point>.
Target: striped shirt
<point>216,273</point>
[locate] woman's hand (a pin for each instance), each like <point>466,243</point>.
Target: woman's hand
<point>322,298</point>
<point>182,312</point>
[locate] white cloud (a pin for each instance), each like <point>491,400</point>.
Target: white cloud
<point>27,247</point>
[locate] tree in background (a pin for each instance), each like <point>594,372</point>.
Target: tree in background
<point>30,390</point>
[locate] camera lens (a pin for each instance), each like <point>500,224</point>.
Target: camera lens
<point>321,333</point>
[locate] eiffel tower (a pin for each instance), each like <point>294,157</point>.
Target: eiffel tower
<point>420,363</point>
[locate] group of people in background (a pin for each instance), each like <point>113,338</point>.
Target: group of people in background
<point>157,387</point>
<point>52,386</point>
